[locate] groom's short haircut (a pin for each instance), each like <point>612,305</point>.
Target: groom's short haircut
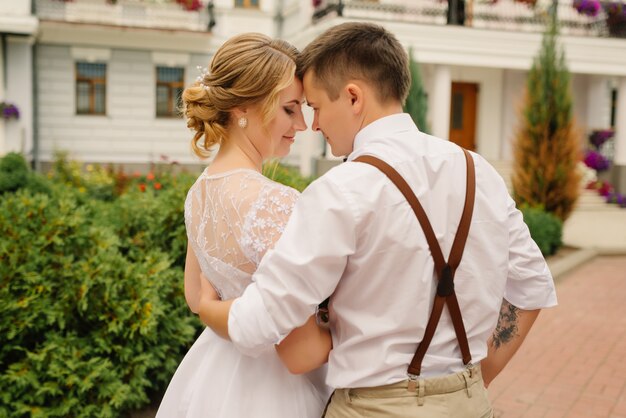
<point>357,51</point>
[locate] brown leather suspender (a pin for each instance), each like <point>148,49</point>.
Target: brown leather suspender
<point>444,270</point>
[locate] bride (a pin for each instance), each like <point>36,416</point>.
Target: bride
<point>248,102</point>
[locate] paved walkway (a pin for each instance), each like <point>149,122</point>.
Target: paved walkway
<point>573,363</point>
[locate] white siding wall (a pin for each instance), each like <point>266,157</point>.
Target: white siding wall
<point>513,91</point>
<point>599,102</point>
<point>19,90</point>
<point>488,108</point>
<point>579,88</point>
<point>129,132</point>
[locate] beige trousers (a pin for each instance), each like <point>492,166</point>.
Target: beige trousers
<point>458,395</point>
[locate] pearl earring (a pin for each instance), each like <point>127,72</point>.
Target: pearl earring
<point>242,122</point>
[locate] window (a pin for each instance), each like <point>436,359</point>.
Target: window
<point>247,3</point>
<point>90,88</point>
<point>169,89</point>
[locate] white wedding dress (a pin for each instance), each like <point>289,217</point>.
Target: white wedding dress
<point>232,219</point>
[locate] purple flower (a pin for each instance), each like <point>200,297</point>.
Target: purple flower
<point>587,7</point>
<point>616,198</point>
<point>615,9</point>
<point>597,161</point>
<point>9,111</point>
<point>599,137</point>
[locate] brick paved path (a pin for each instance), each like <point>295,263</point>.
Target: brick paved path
<point>573,363</point>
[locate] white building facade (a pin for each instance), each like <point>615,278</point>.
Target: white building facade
<point>107,75</point>
<point>17,29</point>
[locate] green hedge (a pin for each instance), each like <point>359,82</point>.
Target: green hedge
<point>88,330</point>
<point>287,175</point>
<point>93,320</point>
<point>15,174</point>
<point>92,311</point>
<point>545,228</point>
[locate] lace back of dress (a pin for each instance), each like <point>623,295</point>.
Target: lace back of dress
<point>232,220</point>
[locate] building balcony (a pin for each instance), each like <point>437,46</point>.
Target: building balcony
<point>15,18</point>
<point>507,15</point>
<point>124,13</point>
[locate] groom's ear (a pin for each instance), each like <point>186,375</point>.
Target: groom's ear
<point>354,93</point>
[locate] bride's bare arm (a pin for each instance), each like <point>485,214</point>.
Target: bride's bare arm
<point>192,280</point>
<point>305,348</point>
<point>196,284</point>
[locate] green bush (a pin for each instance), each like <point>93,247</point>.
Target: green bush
<point>87,330</point>
<point>289,176</point>
<point>93,317</point>
<point>15,174</point>
<point>153,219</point>
<point>95,182</point>
<point>545,228</point>
<point>546,147</point>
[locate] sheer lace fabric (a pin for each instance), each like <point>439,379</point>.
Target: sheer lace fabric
<point>232,219</point>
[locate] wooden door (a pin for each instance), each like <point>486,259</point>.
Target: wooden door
<point>463,115</point>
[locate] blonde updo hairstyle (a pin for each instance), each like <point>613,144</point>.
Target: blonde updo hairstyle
<point>247,69</point>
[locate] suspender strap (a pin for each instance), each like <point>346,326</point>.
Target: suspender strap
<point>444,270</point>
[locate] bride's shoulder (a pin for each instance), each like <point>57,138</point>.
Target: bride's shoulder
<point>273,194</point>
<point>257,184</point>
<point>242,185</point>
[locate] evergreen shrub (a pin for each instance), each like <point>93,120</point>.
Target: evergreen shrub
<point>89,328</point>
<point>545,229</point>
<point>547,143</point>
<point>15,174</point>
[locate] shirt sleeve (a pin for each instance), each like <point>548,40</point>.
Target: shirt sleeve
<point>302,269</point>
<point>529,283</point>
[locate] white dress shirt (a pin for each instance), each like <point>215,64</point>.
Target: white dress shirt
<point>352,234</point>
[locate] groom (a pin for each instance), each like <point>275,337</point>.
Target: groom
<point>354,237</point>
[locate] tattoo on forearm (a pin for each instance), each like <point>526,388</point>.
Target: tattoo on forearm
<point>506,329</point>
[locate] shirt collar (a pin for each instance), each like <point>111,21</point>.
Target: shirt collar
<point>381,128</point>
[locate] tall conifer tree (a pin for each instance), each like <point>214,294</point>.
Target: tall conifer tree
<point>547,144</point>
<point>416,102</point>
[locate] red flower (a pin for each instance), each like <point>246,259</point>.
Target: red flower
<point>142,187</point>
<point>150,176</point>
<point>157,186</point>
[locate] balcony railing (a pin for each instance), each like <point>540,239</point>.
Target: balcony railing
<point>127,13</point>
<point>501,15</point>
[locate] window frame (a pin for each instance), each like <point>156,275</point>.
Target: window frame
<point>172,102</point>
<point>92,82</point>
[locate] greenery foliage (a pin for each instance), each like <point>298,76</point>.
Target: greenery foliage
<point>286,175</point>
<point>92,311</point>
<point>15,174</point>
<point>545,229</point>
<point>546,147</point>
<point>90,327</point>
<point>417,101</point>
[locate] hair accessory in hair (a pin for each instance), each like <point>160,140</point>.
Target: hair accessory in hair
<point>242,122</point>
<point>203,73</point>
